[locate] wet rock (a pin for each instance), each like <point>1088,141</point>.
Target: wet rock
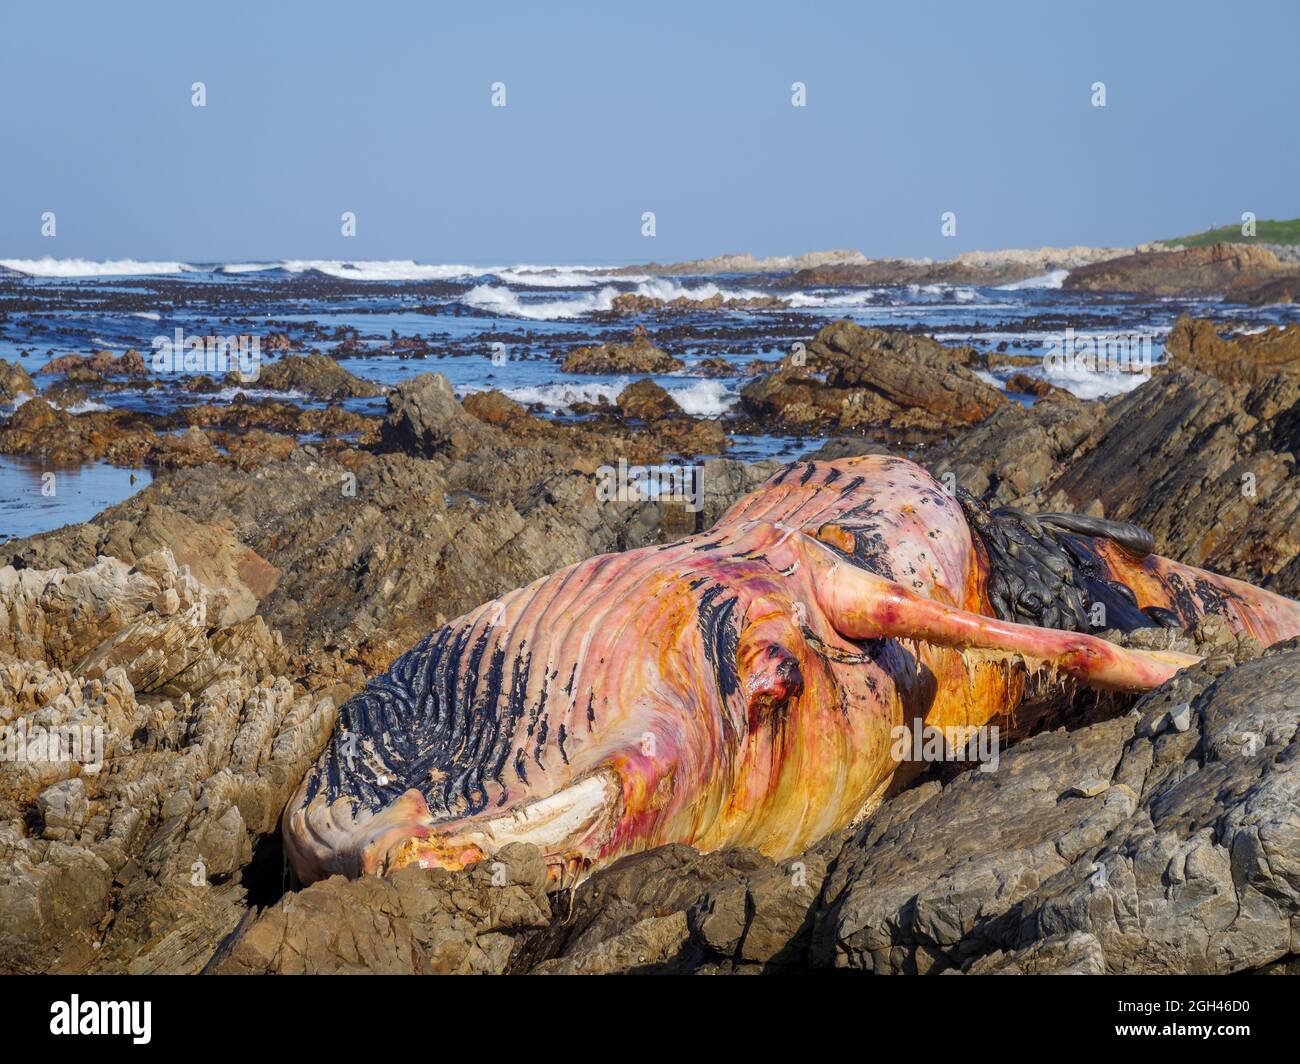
<point>242,414</point>
<point>636,303</point>
<point>647,401</point>
<point>712,367</point>
<point>1024,384</point>
<point>639,356</point>
<point>92,368</point>
<point>14,380</point>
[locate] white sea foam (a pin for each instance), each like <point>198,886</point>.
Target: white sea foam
<point>665,289</point>
<point>957,293</point>
<point>562,397</point>
<point>506,302</point>
<point>49,267</point>
<point>700,398</point>
<point>862,297</point>
<point>148,315</point>
<point>227,394</point>
<point>705,398</point>
<point>1096,385</point>
<point>1078,381</point>
<point>1048,280</point>
<point>7,408</point>
<point>361,270</point>
<point>248,267</point>
<point>86,406</point>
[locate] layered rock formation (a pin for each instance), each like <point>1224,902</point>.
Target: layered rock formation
<point>1191,271</point>
<point>150,738</point>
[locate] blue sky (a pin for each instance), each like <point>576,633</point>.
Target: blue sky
<point>613,109</point>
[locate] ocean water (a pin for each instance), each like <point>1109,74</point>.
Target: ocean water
<point>37,496</point>
<point>53,307</point>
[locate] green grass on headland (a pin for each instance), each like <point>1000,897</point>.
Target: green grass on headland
<point>1266,232</point>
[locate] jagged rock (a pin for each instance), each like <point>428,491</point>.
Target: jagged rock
<point>1246,359</point>
<point>673,909</point>
<point>210,551</point>
<point>1281,286</point>
<point>1018,451</point>
<point>424,418</point>
<point>850,376</point>
<point>1182,457</point>
<point>632,915</point>
<point>104,785</point>
<point>416,921</point>
<point>415,542</point>
<point>1207,467</point>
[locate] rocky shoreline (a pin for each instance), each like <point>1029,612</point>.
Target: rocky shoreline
<point>208,629</point>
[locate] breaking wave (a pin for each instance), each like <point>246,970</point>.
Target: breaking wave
<point>49,267</point>
<point>1048,280</point>
<point>497,300</point>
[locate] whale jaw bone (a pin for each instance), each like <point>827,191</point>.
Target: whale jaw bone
<point>565,826</point>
